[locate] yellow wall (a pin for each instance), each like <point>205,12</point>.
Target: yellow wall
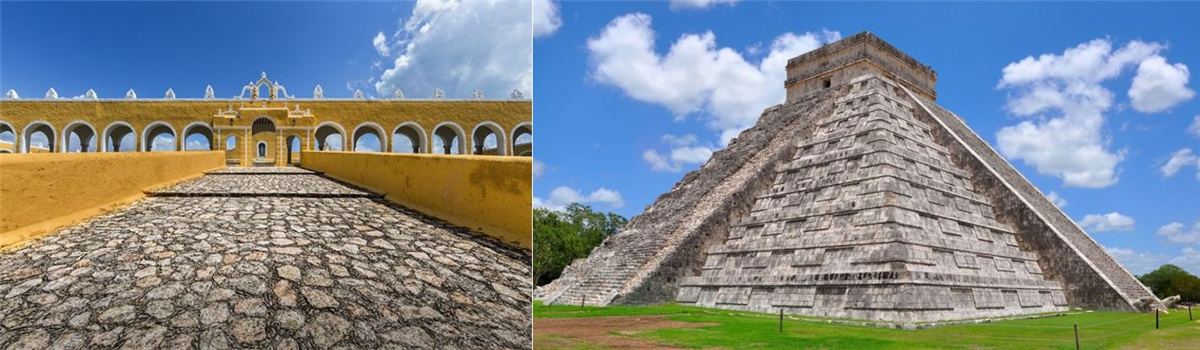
<point>347,114</point>
<point>490,194</point>
<point>43,192</point>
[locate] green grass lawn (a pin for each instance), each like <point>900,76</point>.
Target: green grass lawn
<point>740,330</point>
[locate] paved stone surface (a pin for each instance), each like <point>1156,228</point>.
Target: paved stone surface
<point>261,170</point>
<point>264,272</point>
<point>262,185</point>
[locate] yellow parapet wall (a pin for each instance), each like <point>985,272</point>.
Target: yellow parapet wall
<point>490,194</point>
<point>42,192</point>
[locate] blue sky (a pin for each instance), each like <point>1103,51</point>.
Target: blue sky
<point>616,140</point>
<point>376,47</point>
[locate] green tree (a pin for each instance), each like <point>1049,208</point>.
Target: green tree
<point>1170,280</point>
<point>560,237</point>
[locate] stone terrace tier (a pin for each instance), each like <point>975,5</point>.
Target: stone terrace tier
<point>1069,255</point>
<point>872,219</point>
<point>642,263</point>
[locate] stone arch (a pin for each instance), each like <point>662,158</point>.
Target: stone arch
<point>263,123</point>
<point>524,149</point>
<point>481,132</point>
<point>234,153</point>
<point>38,126</point>
<point>154,129</point>
<point>264,137</point>
<point>414,133</point>
<point>448,132</point>
<point>116,131</point>
<point>289,141</point>
<point>87,136</point>
<point>16,139</point>
<point>205,130</point>
<point>371,127</point>
<point>322,132</point>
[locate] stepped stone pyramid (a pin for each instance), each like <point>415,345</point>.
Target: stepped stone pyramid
<point>861,198</point>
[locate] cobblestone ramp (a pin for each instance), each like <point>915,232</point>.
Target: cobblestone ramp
<point>261,170</point>
<point>274,184</point>
<point>223,272</point>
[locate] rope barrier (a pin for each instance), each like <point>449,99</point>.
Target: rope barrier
<point>1111,322</point>
<point>1005,338</point>
<point>1131,329</point>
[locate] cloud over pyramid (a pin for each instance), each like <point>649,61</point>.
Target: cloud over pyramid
<point>859,197</point>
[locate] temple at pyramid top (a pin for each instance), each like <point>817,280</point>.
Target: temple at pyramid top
<point>839,62</point>
<point>861,198</point>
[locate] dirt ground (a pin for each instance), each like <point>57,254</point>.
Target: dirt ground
<point>603,332</point>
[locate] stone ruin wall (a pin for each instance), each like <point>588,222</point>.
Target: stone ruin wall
<point>1084,287</point>
<point>734,197</point>
<point>841,62</point>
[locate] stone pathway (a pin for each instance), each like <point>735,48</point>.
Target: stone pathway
<point>242,185</point>
<point>264,271</point>
<point>261,170</point>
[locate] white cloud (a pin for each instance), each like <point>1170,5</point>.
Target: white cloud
<point>1159,85</point>
<point>1194,129</point>
<point>1179,159</point>
<point>1137,262</point>
<point>1058,201</point>
<point>1113,221</point>
<point>459,46</point>
<point>1064,93</point>
<point>698,4</point>
<point>1071,148</point>
<point>1176,233</point>
<point>163,142</point>
<point>380,43</point>
<point>562,196</point>
<point>539,168</point>
<point>1189,259</point>
<point>546,18</point>
<point>695,76</point>
<point>684,151</point>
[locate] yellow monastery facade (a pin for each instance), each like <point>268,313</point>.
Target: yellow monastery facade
<point>268,129</point>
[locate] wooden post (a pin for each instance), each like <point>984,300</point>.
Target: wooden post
<point>780,320</point>
<point>1189,312</point>
<point>1076,336</point>
<point>1155,318</point>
